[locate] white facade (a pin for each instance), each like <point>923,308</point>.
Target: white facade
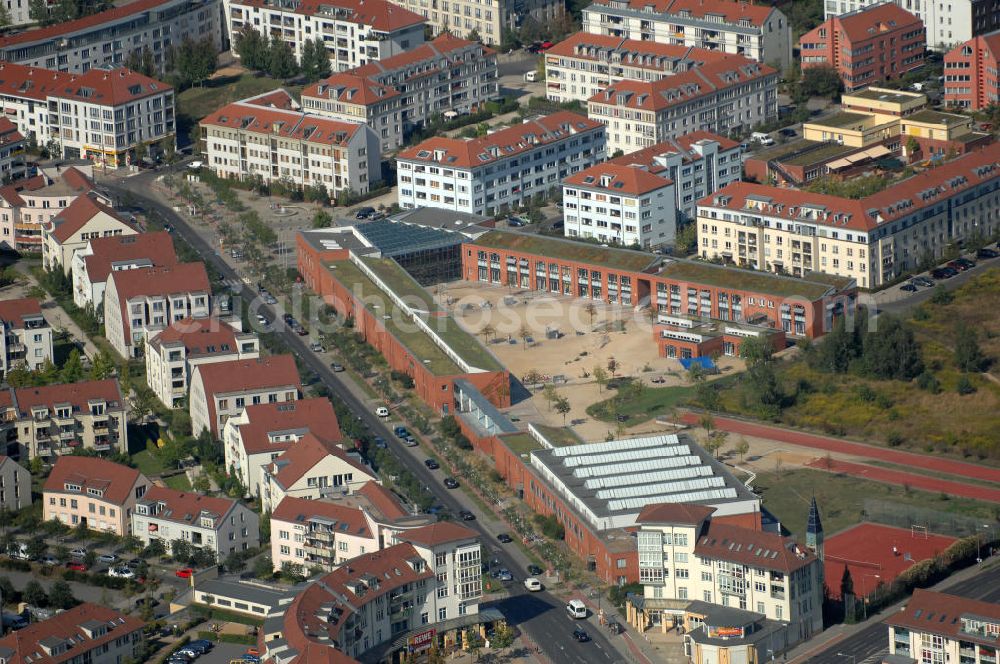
<point>71,229</point>
<point>127,252</point>
<point>328,474</point>
<point>25,335</point>
<point>600,203</point>
<point>760,33</point>
<point>355,33</point>
<point>501,171</point>
<point>487,17</point>
<point>947,23</point>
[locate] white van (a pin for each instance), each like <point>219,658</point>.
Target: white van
<point>576,609</point>
<point>532,584</point>
<point>382,412</point>
<point>762,138</point>
<point>531,76</point>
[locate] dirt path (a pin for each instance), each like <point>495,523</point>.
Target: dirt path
<point>901,478</point>
<point>827,444</point>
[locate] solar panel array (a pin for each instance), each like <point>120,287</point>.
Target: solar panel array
<point>618,457</point>
<point>637,467</point>
<point>686,472</point>
<point>693,497</point>
<point>616,445</point>
<point>662,489</point>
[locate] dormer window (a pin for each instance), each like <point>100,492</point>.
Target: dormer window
<point>96,492</point>
<point>72,487</point>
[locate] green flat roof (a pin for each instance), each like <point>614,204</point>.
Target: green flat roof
<point>521,443</point>
<point>828,152</point>
<point>749,280</point>
<point>418,342</point>
<point>559,436</point>
<point>884,94</point>
<point>936,117</point>
<point>842,119</point>
<point>548,247</point>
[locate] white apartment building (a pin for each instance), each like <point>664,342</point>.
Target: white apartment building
<point>872,240</point>
<point>101,115</point>
<point>396,95</point>
<point>487,17</point>
<point>12,144</point>
<point>501,171</point>
<point>15,485</point>
<point>312,469</point>
<point>71,229</point>
<point>254,139</point>
<point>29,204</point>
<point>583,64</point>
<point>222,390</point>
<point>218,524</point>
<point>262,432</point>
<point>107,38</point>
<point>947,23</point>
<point>172,353</point>
<point>685,556</point>
<point>938,627</point>
<point>101,256</point>
<point>620,205</point>
<point>759,32</point>
<point>94,633</point>
<point>152,298</point>
<point>25,335</point>
<point>698,163</point>
<point>355,32</point>
<point>56,419</point>
<point>451,550</point>
<point>729,96</point>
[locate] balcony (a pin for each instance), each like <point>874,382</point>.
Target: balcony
<point>321,535</point>
<point>324,553</point>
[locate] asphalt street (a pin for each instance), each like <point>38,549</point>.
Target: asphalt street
<point>540,615</point>
<point>871,643</point>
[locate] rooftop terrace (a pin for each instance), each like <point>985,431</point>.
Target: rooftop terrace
<point>844,119</point>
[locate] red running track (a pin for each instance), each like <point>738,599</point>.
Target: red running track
<point>900,478</point>
<point>827,444</point>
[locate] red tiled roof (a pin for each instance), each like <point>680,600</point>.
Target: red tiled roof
<point>76,180</point>
<point>731,11</point>
<point>302,457</point>
<point>279,99</point>
<point>631,52</point>
<point>96,86</point>
<point>507,143</point>
<point>157,247</point>
<point>617,179</point>
<point>159,280</point>
<point>30,82</point>
<point>26,645</point>
<point>383,499</point>
<point>184,507</point>
<point>925,189</point>
<point>932,612</point>
<point>441,532</point>
<point>315,415</point>
<point>290,124</point>
<point>350,88</point>
<point>348,520</point>
<point>200,336</point>
<point>683,145</point>
<point>869,22</point>
<point>9,133</point>
<point>116,480</point>
<point>319,653</point>
<point>12,312</point>
<point>305,621</point>
<point>51,32</point>
<point>246,375</point>
<point>379,14</point>
<point>753,548</point>
<point>681,513</point>
<point>683,86</point>
<point>77,394</point>
<point>77,215</point>
<point>442,45</point>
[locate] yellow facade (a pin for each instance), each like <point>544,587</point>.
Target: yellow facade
<point>856,130</point>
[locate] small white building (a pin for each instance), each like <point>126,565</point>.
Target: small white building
<point>104,255</point>
<point>151,298</point>
<point>25,335</point>
<point>313,470</point>
<point>262,432</point>
<point>219,524</point>
<point>500,171</point>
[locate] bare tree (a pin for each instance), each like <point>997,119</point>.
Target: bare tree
<point>601,376</point>
<point>742,447</point>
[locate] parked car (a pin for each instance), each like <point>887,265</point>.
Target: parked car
<point>364,213</point>
<point>337,368</point>
<point>431,464</point>
<point>467,515</point>
<point>410,441</point>
<point>922,281</point>
<point>380,443</point>
<point>76,566</point>
<point>382,411</point>
<point>451,482</point>
<point>986,253</point>
<point>107,558</point>
<point>534,570</point>
<point>961,264</point>
<point>78,553</point>
<point>504,538</point>
<point>317,347</point>
<point>400,432</point>
<point>533,584</point>
<point>49,560</point>
<point>121,572</point>
<point>143,601</point>
<point>505,575</point>
<point>580,634</point>
<point>943,273</point>
<point>201,644</point>
<point>184,573</point>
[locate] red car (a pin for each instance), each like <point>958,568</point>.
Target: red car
<point>184,573</point>
<point>76,566</point>
<point>546,45</point>
<point>253,651</point>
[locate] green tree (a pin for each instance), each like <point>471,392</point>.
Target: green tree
<point>821,81</point>
<point>315,62</point>
<point>102,366</point>
<point>20,376</point>
<point>263,567</point>
<point>7,593</point>
<point>154,549</point>
<point>968,356</point>
<point>742,447</point>
<point>280,59</point>
<point>836,351</point>
<point>37,547</point>
<point>235,562</point>
<point>180,550</point>
<point>600,377</point>
<point>322,219</point>
<point>474,36</point>
<point>61,595</point>
<point>72,369</point>
<point>891,352</point>
<point>193,62</point>
<point>563,407</point>
<point>90,558</point>
<point>686,240</point>
<point>47,373</point>
<point>35,595</point>
<point>38,11</point>
<point>761,392</point>
<point>252,48</point>
<point>4,17</point>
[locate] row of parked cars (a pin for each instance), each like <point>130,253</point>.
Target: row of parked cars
<point>191,652</point>
<point>949,270</point>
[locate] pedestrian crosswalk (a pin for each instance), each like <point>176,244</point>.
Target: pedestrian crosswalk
<point>234,285</point>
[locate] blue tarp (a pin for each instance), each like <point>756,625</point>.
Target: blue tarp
<point>706,363</point>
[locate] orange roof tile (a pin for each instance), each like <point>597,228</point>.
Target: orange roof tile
<point>66,628</point>
<point>185,506</point>
<point>434,534</point>
<point>201,337</point>
<point>160,280</point>
<point>379,14</point>
<point>315,416</point>
<point>77,394</point>
<point>288,124</point>
<point>9,133</point>
<point>870,21</point>
<point>77,215</point>
<point>157,247</point>
<point>444,45</point>
<point>245,375</point>
<point>683,86</point>
<point>293,464</point>
<point>731,11</point>
<point>11,193</point>
<point>932,612</point>
<point>114,479</point>
<point>50,33</point>
<point>96,86</point>
<point>348,520</point>
<point>13,312</point>
<point>503,144</point>
<point>753,548</point>
<point>350,88</point>
<point>383,499</point>
<point>632,52</point>
<point>683,145</point>
<point>617,179</point>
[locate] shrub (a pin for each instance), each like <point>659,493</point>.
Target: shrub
<point>965,386</point>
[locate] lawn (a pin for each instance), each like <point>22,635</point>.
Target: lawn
<point>196,103</point>
<point>651,402</point>
<point>148,463</point>
<point>841,499</point>
<point>178,482</point>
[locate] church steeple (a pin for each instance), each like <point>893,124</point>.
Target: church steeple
<point>814,530</point>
